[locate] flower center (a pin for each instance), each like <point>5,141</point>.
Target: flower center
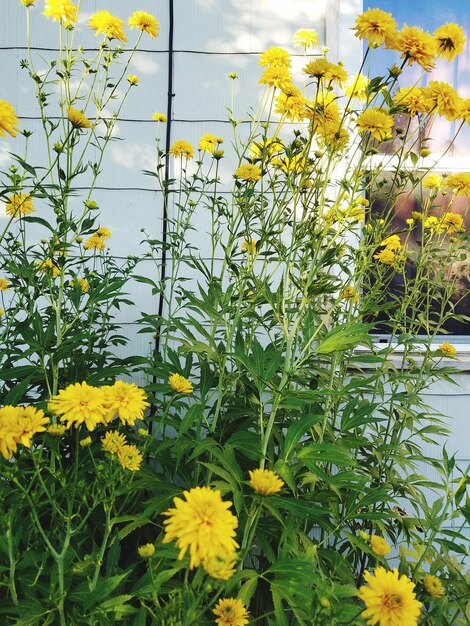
<point>393,601</point>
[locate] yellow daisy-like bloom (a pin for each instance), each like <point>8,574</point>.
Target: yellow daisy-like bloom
<point>275,56</point>
<point>305,38</point>
<point>459,183</point>
<point>386,256</point>
<point>208,142</point>
<point>77,118</point>
<point>448,349</point>
<point>433,586</point>
<point>377,26</point>
<point>356,87</point>
<point>146,551</point>
<point>249,246</point>
<point>464,112</point>
<point>78,404</point>
<point>376,121</point>
<point>28,3</point>
<point>276,76</point>
<point>265,482</point>
<point>85,442</point>
<point>414,100</point>
<point>292,104</point>
<point>145,22</point>
<point>9,429</point>
<point>84,284</point>
<point>29,422</point>
<point>103,232</point>
<point>159,117</point>
<point>130,458</point>
<point>107,24</point>
<point>114,441</point>
<point>248,172</point>
<point>125,400</point>
<point>56,430</point>
<point>390,599</point>
<point>8,120</point>
<point>433,223</point>
<point>350,294</point>
<point>323,69</point>
<point>452,222</point>
<point>265,148</point>
<point>393,242</point>
<point>48,267</point>
<point>333,136</point>
<point>63,11</point>
<point>4,284</point>
<point>417,46</point>
<point>444,100</point>
<point>450,40</point>
<point>231,612</point>
<point>182,148</point>
<point>201,524</point>
<point>19,204</point>
<point>132,79</point>
<point>432,181</point>
<point>95,242</point>
<point>180,384</point>
<point>379,546</point>
<point>220,567</point>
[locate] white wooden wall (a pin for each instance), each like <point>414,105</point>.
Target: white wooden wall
<point>211,39</point>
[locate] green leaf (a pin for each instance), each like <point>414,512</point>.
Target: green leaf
<point>345,337</point>
<point>326,453</point>
<point>296,431</point>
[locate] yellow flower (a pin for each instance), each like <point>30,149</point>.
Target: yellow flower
<point>390,599</point>
<point>276,76</point>
<point>292,104</point>
<point>265,482</point>
<point>249,246</point>
<point>29,422</point>
<point>159,117</point>
<point>62,11</point>
<point>386,256</point>
<point>143,432</point>
<point>379,545</point>
<point>132,79</point>
<point>2,312</point>
<point>356,87</point>
<point>56,430</point>
<point>9,429</point>
<point>4,284</point>
<point>433,223</point>
<point>433,586</point>
<point>144,22</point>
<point>84,284</point>
<point>113,441</point>
<point>452,222</point>
<point>231,612</point>
<point>459,183</point>
<point>220,567</point>
<point>377,27</point>
<point>305,38</point>
<point>110,26</point>
<point>19,204</point>
<point>28,3</point>
<point>218,154</point>
<point>182,148</point>
<point>180,384</point>
<point>77,118</point>
<point>85,442</point>
<point>321,68</point>
<point>233,75</point>
<point>248,172</point>
<point>8,119</point>
<point>266,148</point>
<point>125,400</point>
<point>275,56</point>
<point>393,242</point>
<point>432,181</point>
<point>95,242</point>
<point>48,267</point>
<point>448,349</point>
<point>203,524</point>
<point>146,551</point>
<point>130,458</point>
<point>78,404</point>
<point>207,142</point>
<point>417,46</point>
<point>350,294</point>
<point>103,232</point>
<point>377,122</point>
<point>364,535</point>
<point>444,100</point>
<point>450,40</point>
<point>414,100</point>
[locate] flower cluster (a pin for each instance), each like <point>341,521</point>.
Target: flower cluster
<point>18,425</point>
<point>202,524</point>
